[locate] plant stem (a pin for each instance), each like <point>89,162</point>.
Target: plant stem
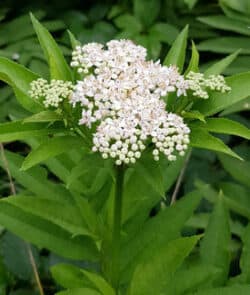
<point>117,221</point>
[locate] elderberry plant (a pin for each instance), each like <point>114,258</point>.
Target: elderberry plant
<point>116,129</point>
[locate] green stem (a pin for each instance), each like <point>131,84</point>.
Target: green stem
<point>117,222</point>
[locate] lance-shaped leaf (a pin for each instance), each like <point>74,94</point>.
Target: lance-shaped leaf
<point>45,234</point>
<point>194,61</point>
<point>59,68</point>
<point>231,290</point>
<point>19,78</point>
<point>200,138</point>
<point>245,256</point>
<point>218,67</point>
<point>225,126</point>
<point>51,148</point>
<point>177,53</point>
<point>153,275</point>
<point>240,89</point>
<point>51,210</point>
<point>215,244</point>
<point>148,240</point>
<point>44,116</point>
<point>17,130</point>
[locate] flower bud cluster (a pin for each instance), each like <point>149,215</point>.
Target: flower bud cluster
<point>51,93</point>
<point>199,84</point>
<point>122,95</point>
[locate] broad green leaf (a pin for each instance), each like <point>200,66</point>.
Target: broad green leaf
<point>69,276</point>
<point>59,68</point>
<point>200,221</point>
<point>99,283</point>
<point>79,291</point>
<point>240,89</point>
<point>225,23</point>
<point>194,61</point>
<point>177,53</point>
<point>193,115</point>
<point>218,67</point>
<point>224,126</point>
<point>235,197</point>
<point>35,180</point>
<point>231,290</point>
<point>146,11</point>
<point>51,210</point>
<point>153,275</point>
<point>148,239</point>
<point>164,32</point>
<point>226,45</point>
<point>245,255</point>
<point>191,278</point>
<point>240,6</point>
<point>19,265</point>
<point>19,78</point>
<point>129,23</point>
<point>51,148</point>
<point>17,130</point>
<point>200,138</point>
<point>45,116</point>
<point>215,244</point>
<point>45,234</point>
<point>239,170</point>
<point>243,105</point>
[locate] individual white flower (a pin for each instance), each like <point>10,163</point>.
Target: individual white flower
<point>53,93</point>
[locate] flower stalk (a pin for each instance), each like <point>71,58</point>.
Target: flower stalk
<point>117,223</point>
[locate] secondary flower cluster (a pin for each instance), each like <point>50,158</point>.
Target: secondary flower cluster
<point>199,84</point>
<point>51,93</point>
<point>121,100</point>
<point>123,92</point>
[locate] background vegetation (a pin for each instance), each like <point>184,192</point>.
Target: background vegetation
<point>218,28</point>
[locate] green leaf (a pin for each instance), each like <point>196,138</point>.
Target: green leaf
<point>200,138</point>
<point>19,78</point>
<point>240,89</point>
<point>51,148</point>
<point>59,69</point>
<point>239,170</point>
<point>146,11</point>
<point>232,290</point>
<point>147,240</point>
<point>176,54</point>
<point>51,210</point>
<point>79,291</point>
<point>19,265</point>
<point>69,276</point>
<point>245,255</point>
<point>45,234</point>
<point>191,278</point>
<point>99,283</point>
<point>225,23</point>
<point>215,244</point>
<point>35,180</point>
<point>194,61</point>
<point>128,23</point>
<point>45,116</point>
<point>154,275</point>
<point>218,67</point>
<point>164,32</point>
<point>225,126</point>
<point>193,115</point>
<point>18,130</point>
<point>225,45</point>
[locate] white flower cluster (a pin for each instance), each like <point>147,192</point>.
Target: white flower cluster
<point>123,94</point>
<point>199,84</point>
<point>51,93</point>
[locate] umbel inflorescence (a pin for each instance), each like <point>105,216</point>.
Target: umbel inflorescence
<point>121,96</point>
